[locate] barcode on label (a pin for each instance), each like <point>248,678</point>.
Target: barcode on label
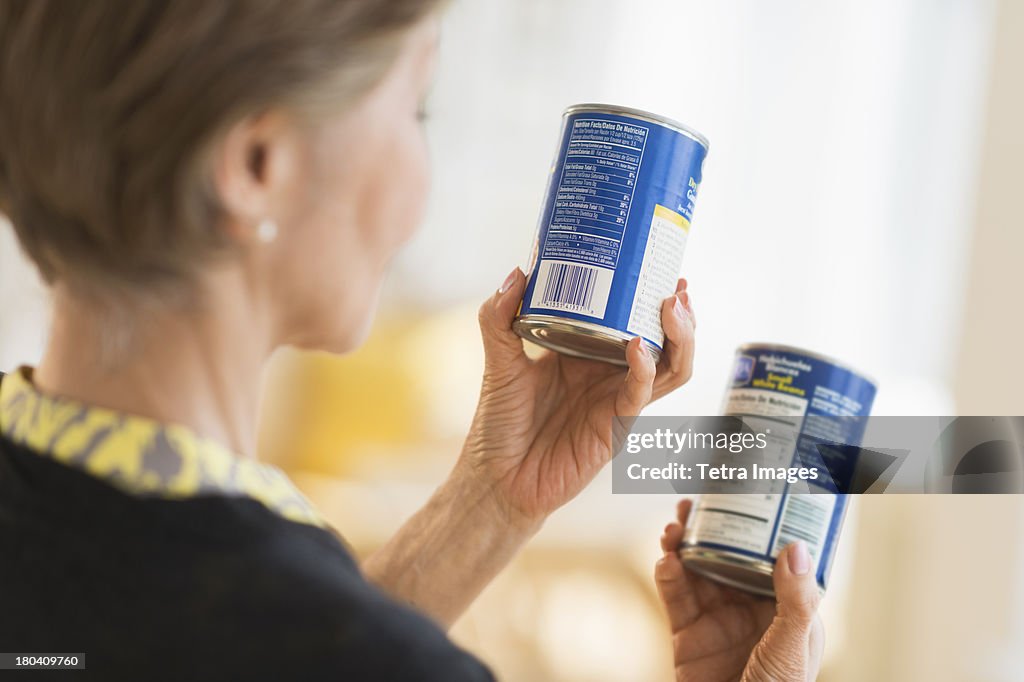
<point>805,517</point>
<point>572,287</point>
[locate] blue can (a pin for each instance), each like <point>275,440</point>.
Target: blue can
<point>612,231</point>
<point>802,398</point>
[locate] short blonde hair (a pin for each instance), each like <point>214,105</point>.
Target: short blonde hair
<point>109,107</point>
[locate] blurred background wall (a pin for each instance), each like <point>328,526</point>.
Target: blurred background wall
<point>859,200</point>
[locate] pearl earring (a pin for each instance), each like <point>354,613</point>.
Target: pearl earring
<point>266,231</point>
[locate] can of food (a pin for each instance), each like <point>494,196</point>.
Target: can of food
<point>611,233</point>
<point>800,398</point>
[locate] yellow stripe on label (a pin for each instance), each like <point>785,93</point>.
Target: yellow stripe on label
<point>668,214</point>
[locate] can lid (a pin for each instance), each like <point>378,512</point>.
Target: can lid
<point>578,338</point>
<point>641,114</point>
<point>811,354</point>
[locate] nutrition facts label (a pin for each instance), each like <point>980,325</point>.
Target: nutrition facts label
<point>595,192</point>
<point>588,221</point>
<point>765,523</point>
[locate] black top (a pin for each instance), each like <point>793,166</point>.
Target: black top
<point>204,588</point>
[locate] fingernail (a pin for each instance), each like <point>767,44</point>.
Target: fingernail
<point>677,308</point>
<point>799,558</point>
<point>682,282</point>
<point>509,281</point>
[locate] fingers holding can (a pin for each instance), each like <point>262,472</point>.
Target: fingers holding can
<point>676,366</point>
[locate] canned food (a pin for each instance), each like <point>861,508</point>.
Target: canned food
<point>800,396</point>
<point>612,230</point>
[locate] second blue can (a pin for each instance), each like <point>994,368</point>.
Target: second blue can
<point>801,399</point>
<point>612,231</point>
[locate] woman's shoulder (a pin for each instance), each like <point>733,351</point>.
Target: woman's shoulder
<point>316,604</point>
<point>250,594</point>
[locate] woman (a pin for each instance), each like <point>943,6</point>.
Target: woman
<point>200,184</point>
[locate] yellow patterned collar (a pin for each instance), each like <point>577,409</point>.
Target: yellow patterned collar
<point>138,455</point>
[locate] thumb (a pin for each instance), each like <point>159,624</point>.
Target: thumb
<point>501,344</point>
<point>785,651</point>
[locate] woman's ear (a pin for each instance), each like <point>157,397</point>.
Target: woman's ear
<point>253,166</point>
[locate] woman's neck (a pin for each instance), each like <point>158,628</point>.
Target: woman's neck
<point>198,369</point>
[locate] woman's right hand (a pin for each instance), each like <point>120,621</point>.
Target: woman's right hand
<point>719,633</point>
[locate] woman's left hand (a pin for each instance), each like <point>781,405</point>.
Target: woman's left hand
<point>543,427</point>
<point>542,431</point>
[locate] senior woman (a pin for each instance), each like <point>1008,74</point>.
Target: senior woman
<point>201,183</point>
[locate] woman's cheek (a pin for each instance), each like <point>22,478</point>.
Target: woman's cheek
<point>417,208</point>
<point>415,190</point>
